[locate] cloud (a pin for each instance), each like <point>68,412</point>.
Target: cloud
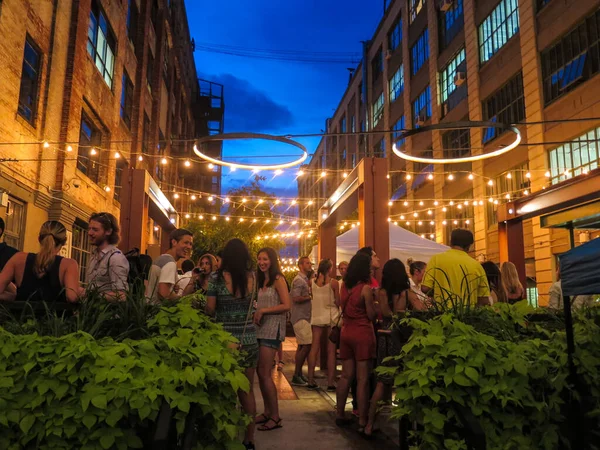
<point>249,109</point>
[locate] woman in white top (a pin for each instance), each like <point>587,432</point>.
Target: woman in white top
<point>325,314</point>
<point>417,271</point>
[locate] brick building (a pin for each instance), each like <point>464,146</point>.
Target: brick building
<point>99,106</point>
<point>528,62</point>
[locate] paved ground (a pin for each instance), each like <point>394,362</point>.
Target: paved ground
<point>309,418</point>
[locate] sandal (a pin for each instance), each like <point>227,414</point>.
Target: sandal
<point>259,420</point>
<point>274,427</point>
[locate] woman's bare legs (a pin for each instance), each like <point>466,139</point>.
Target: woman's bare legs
<point>314,351</point>
<point>267,386</point>
<point>381,391</point>
<point>363,370</point>
<point>343,386</point>
<point>331,360</point>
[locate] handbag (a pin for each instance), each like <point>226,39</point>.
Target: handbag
<point>336,331</point>
<point>240,344</point>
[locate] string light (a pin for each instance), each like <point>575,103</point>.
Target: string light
<point>140,158</point>
<point>451,177</point>
<point>323,174</point>
<point>421,203</point>
<point>527,175</point>
<point>547,174</point>
<point>405,203</point>
<point>211,166</point>
<point>471,176</point>
<point>187,163</point>
<point>278,172</point>
<point>300,173</point>
<point>69,148</point>
<point>390,203</point>
<point>176,195</point>
<point>293,202</point>
<point>210,199</point>
<point>187,216</point>
<point>509,175</point>
<point>490,183</point>
<point>46,144</point>
<point>93,152</point>
<point>107,188</point>
<point>344,175</point>
<point>408,176</point>
<point>117,155</point>
<point>430,176</point>
<point>444,222</point>
<point>310,202</point>
<point>163,161</point>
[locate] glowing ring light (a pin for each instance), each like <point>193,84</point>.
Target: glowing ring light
<point>236,136</point>
<point>453,126</point>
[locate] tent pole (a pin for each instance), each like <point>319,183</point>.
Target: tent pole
<point>575,407</point>
<point>571,236</point>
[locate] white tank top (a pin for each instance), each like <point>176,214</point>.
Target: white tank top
<point>324,311</point>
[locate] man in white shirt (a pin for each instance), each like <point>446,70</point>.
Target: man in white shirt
<point>163,278</point>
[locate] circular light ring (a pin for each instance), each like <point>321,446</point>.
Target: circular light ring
<point>237,136</point>
<point>454,126</point>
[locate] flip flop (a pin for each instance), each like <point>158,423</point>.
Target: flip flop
<point>259,420</point>
<point>266,428</point>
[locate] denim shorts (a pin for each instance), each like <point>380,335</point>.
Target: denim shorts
<point>270,343</point>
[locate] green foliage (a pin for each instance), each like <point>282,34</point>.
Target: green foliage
<point>77,391</point>
<point>502,369</point>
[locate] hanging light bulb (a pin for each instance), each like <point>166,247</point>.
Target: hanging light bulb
<point>232,169</point>
<point>495,202</point>
<point>444,222</point>
<point>432,236</point>
<point>278,172</point>
<point>281,222</point>
<point>444,209</point>
<point>423,236</point>
<point>201,217</point>
<point>491,199</point>
<point>471,176</point>
<point>294,202</point>
<point>46,144</point>
<point>432,223</point>
<point>268,221</point>
<point>388,176</point>
<point>187,163</point>
<point>107,188</point>
<point>509,175</point>
<point>241,219</point>
<point>307,223</point>
<point>211,166</point>
<point>430,176</point>
<point>421,203</point>
<point>467,221</point>
<point>405,203</point>
<point>507,196</point>
<point>254,220</point>
<point>140,158</point>
<point>408,176</point>
<point>300,173</point>
<point>451,203</point>
<point>344,175</point>
<point>260,201</point>
<point>525,192</point>
<point>117,155</point>
<point>187,216</point>
<point>527,175</point>
<point>420,223</point>
<point>547,174</point>
<point>176,195</point>
<point>490,183</point>
<point>436,203</point>
<point>210,199</point>
<point>451,177</point>
<point>455,222</point>
<point>459,206</point>
<point>402,217</point>
<point>244,200</point>
<point>415,214</point>
<point>214,218</point>
<point>294,222</point>
<point>390,203</point>
<point>323,174</point>
<point>429,212</point>
<point>310,202</point>
<point>156,228</point>
<point>389,219</point>
<point>395,223</point>
<point>163,161</point>
<point>467,202</point>
<point>193,197</point>
<point>93,152</point>
<point>277,202</point>
<point>407,223</point>
<point>226,200</point>
<point>69,148</point>
<point>480,202</point>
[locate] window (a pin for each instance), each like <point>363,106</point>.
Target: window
<point>343,125</point>
<point>447,85</point>
<point>498,28</point>
<point>398,129</point>
<point>90,138</point>
<point>14,221</point>
<point>580,155</point>
<point>573,59</point>
<point>396,84</point>
<point>420,52</point>
<point>343,161</point>
<point>506,105</point>
<point>377,110</point>
<point>451,22</point>
<point>121,168</point>
<point>456,143</point>
<point>395,36</point>
<point>415,7</point>
<point>149,73</point>
<point>159,173</point>
<point>30,79</point>
<point>132,21</point>
<point>377,65</point>
<point>422,107</point>
<point>353,124</point>
<point>80,249</point>
<point>515,186</point>
<point>379,149</point>
<point>101,43</point>
<point>353,160</point>
<point>126,99</point>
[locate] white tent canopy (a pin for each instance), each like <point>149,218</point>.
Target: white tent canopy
<point>404,244</point>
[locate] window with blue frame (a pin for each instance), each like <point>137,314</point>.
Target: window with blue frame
<point>343,125</point>
<point>574,158</point>
<point>353,160</point>
<point>573,59</point>
<point>398,128</point>
<point>353,124</point>
<point>395,35</point>
<point>420,52</point>
<point>377,110</point>
<point>396,84</point>
<point>451,22</point>
<point>343,159</point>
<point>422,106</point>
<point>506,105</point>
<point>101,43</point>
<point>497,28</point>
<point>447,85</point>
<point>30,81</point>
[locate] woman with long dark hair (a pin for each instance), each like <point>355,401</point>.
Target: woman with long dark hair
<point>394,296</point>
<point>325,314</point>
<point>494,279</point>
<point>272,305</point>
<point>230,299</point>
<point>44,276</point>
<point>357,341</point>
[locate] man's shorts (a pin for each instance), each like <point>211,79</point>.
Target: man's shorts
<point>303,332</point>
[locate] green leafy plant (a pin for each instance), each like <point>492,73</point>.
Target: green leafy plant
<point>77,390</point>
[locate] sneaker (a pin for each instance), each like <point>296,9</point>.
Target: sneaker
<point>298,381</point>
<point>304,378</point>
<point>313,386</point>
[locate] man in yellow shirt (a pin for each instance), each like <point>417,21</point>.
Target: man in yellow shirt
<point>453,277</point>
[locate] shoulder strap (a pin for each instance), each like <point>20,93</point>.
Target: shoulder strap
<point>108,262</point>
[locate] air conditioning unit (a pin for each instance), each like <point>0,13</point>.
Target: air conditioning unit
<point>420,120</point>
<point>388,54</point>
<point>445,5</point>
<point>460,78</point>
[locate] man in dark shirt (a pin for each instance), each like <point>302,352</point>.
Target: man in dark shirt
<point>6,251</point>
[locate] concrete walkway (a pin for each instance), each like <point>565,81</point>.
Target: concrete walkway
<point>309,418</point>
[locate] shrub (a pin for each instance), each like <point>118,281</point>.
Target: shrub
<point>78,391</point>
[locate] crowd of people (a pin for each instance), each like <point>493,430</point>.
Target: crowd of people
<point>251,299</point>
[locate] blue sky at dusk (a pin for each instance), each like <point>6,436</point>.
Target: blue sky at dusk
<point>278,97</point>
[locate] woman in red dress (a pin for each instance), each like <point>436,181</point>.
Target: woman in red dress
<point>357,341</point>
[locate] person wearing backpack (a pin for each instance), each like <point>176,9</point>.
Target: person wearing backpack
<point>107,269</point>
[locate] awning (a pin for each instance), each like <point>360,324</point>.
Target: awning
<point>580,269</point>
